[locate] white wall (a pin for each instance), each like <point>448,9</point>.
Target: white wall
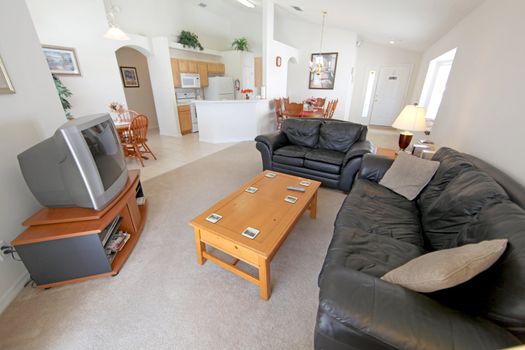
<point>372,56</point>
<point>306,38</point>
<point>26,117</point>
<point>217,25</point>
<point>139,99</point>
<point>482,111</point>
<point>81,24</point>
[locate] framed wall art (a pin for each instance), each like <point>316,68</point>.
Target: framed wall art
<point>61,60</point>
<point>323,76</point>
<point>6,87</point>
<point>130,79</point>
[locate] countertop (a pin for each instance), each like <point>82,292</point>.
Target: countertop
<point>230,101</point>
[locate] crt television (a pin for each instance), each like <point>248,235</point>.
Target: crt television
<point>81,165</point>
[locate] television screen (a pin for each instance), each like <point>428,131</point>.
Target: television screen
<point>105,149</point>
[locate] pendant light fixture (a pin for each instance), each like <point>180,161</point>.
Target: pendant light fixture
<point>317,65</point>
<point>114,32</point>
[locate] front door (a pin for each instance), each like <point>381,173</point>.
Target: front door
<point>390,94</point>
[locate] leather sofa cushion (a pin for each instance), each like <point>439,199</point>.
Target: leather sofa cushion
<point>377,210</point>
<point>497,293</point>
<point>302,132</point>
<point>357,249</point>
<point>321,166</point>
<point>451,164</point>
<point>457,205</point>
<point>288,160</point>
<point>326,156</point>
<point>339,136</point>
<point>292,151</point>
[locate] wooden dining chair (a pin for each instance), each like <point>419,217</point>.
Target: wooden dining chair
<point>135,143</point>
<point>330,109</point>
<point>319,102</point>
<point>278,112</point>
<point>293,109</point>
<point>126,115</point>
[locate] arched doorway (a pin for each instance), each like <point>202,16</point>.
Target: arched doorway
<point>139,95</point>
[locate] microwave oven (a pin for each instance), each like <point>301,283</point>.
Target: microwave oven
<point>190,81</point>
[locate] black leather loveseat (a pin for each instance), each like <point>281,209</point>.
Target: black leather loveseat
<point>377,230</point>
<point>326,150</point>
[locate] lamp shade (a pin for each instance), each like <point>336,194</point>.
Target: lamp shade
<point>411,118</point>
<point>115,33</point>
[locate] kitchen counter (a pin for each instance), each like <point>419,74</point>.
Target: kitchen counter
<point>234,120</point>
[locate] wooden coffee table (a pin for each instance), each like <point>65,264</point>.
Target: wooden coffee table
<point>264,210</point>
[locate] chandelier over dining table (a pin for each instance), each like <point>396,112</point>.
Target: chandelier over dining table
<point>316,66</point>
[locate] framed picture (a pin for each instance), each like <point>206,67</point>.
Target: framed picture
<point>324,79</point>
<point>130,79</point>
<point>61,60</point>
<point>6,87</point>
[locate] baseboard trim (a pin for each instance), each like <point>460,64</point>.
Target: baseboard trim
<point>12,292</point>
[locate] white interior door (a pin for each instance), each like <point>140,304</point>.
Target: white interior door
<point>390,94</point>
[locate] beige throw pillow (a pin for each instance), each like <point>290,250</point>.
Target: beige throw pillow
<point>408,175</point>
<point>448,267</point>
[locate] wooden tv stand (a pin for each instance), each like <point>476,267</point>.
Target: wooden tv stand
<point>62,245</point>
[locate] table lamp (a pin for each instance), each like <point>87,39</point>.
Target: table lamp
<point>411,118</point>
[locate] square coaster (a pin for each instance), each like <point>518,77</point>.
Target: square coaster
<point>251,189</point>
<point>213,218</point>
<point>250,232</point>
<point>271,175</point>
<point>290,199</point>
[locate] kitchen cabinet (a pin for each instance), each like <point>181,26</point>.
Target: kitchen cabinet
<point>202,68</point>
<point>216,68</point>
<point>176,72</point>
<point>184,119</point>
<point>258,71</point>
<point>186,66</point>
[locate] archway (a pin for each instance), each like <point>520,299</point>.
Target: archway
<point>132,60</point>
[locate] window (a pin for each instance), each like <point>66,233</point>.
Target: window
<point>368,94</point>
<point>436,83</point>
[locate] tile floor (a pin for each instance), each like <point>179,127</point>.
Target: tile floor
<point>173,152</point>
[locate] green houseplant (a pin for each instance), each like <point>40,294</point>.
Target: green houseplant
<point>64,94</point>
<point>240,44</point>
<point>189,39</point>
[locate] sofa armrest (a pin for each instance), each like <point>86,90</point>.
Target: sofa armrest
<point>273,141</point>
<point>374,167</point>
<point>359,149</point>
<point>363,311</point>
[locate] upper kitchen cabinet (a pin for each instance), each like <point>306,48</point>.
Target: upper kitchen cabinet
<point>186,66</point>
<point>176,72</point>
<point>216,68</point>
<point>258,71</point>
<point>202,68</point>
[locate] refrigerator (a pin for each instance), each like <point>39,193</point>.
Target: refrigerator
<point>219,88</point>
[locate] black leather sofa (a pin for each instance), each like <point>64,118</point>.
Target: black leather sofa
<point>377,230</point>
<point>327,150</point>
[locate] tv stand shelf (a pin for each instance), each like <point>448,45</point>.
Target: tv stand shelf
<point>62,245</point>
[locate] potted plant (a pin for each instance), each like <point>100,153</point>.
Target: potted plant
<point>240,44</point>
<point>64,94</point>
<point>189,39</point>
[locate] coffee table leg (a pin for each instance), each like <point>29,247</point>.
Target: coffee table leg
<point>200,247</point>
<point>313,206</point>
<point>264,278</point>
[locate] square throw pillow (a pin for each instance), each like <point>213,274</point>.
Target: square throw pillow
<point>409,175</point>
<point>448,267</point>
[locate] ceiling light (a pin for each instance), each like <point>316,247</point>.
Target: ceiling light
<point>297,8</point>
<point>391,42</point>
<point>318,65</point>
<point>115,33</point>
<point>247,3</point>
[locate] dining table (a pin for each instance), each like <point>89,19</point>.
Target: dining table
<point>315,113</point>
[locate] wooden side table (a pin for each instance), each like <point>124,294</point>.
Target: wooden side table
<point>386,152</point>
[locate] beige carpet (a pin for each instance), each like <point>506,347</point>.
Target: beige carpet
<point>163,300</point>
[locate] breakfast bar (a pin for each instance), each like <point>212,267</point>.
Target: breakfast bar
<point>234,120</point>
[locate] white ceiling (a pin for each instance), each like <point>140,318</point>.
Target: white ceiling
<point>412,24</point>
